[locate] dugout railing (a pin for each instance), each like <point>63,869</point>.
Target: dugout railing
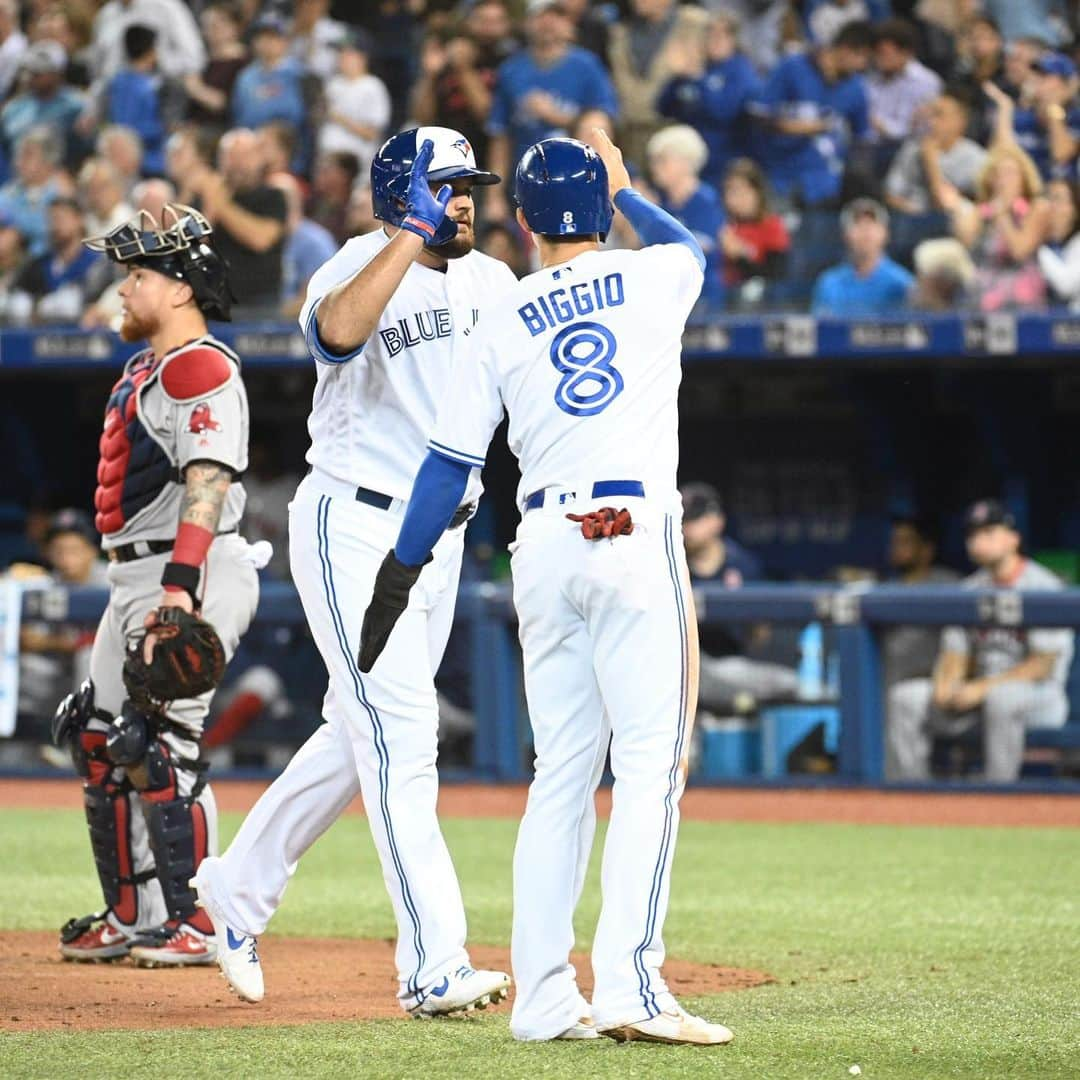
<point>854,618</point>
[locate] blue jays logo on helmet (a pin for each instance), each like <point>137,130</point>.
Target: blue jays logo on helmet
<point>562,188</point>
<point>452,158</point>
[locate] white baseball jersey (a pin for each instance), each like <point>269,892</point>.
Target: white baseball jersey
<point>374,409</point>
<point>585,357</point>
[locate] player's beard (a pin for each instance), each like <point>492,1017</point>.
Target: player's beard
<point>461,245</point>
<point>135,329</point>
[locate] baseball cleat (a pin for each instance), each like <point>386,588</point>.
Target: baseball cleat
<point>671,1026</point>
<point>583,1029</point>
<point>463,990</point>
<point>175,945</point>
<point>95,943</point>
<point>237,954</point>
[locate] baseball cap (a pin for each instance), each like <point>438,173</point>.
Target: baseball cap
<point>988,512</point>
<point>44,57</point>
<point>354,38</point>
<point>71,521</point>
<point>699,500</point>
<point>270,24</point>
<point>452,156</point>
<point>863,207</point>
<point>1055,63</point>
<point>534,7</point>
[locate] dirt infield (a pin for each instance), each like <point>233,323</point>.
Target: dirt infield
<point>307,980</point>
<point>699,804</point>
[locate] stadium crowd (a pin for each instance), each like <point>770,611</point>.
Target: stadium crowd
<point>853,156</point>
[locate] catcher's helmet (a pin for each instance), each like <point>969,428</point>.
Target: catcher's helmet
<point>562,189</point>
<point>180,247</point>
<point>452,158</point>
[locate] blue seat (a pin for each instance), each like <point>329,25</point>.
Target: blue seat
<point>783,727</point>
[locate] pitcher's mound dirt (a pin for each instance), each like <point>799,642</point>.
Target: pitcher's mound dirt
<point>308,979</point>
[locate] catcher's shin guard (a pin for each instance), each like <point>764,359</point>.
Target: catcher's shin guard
<point>177,830</point>
<point>108,817</point>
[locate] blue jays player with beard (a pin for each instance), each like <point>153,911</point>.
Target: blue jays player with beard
<point>584,355</point>
<point>385,319</point>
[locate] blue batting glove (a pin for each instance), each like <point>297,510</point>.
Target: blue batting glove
<point>425,214</point>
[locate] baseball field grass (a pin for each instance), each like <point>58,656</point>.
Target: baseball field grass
<point>910,952</point>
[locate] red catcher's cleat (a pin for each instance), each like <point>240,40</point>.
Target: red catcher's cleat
<point>178,945</point>
<point>83,942</point>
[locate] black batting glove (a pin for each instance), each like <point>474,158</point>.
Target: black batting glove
<point>388,601</point>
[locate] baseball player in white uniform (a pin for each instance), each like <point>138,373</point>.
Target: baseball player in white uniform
<point>386,319</point>
<point>585,357</point>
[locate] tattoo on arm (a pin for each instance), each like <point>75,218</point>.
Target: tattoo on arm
<point>206,485</point>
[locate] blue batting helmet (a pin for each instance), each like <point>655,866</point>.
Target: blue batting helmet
<point>452,158</point>
<point>562,189</point>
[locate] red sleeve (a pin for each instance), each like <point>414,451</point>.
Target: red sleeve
<point>196,372</point>
<point>775,235</point>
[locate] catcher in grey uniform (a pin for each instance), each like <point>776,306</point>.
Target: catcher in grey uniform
<point>1009,678</point>
<point>168,504</point>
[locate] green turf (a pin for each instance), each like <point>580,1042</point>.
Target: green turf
<point>912,952</point>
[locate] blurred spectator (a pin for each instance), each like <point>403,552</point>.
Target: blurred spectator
<point>676,155</point>
<point>457,77</point>
<point>46,100</point>
<point>641,49</point>
<point>944,276</point>
<point>711,90</point>
<point>102,194</point>
<point>271,87</point>
<point>869,283</point>
<point>12,260</point>
<point>830,17</point>
<point>331,189</point>
<point>249,223</point>
<point>179,42</point>
<point>149,195</point>
<point>501,242</point>
<point>1006,678</point>
<point>909,652</point>
<point>1049,130</point>
<point>727,677</point>
<point>814,105</point>
<point>307,247</point>
<point>981,60</point>
<point>69,25</point>
<point>24,200</point>
<point>1004,230</point>
<point>12,46</point>
<point>754,241</point>
<point>55,658</point>
<point>137,97</point>
<point>899,86</point>
<point>765,27</point>
<point>189,157</point>
<point>277,145</point>
<point>1020,57</point>
<point>315,37</point>
<point>1036,19</point>
<point>929,173</point>
<point>359,214</point>
<point>270,488</point>
<point>1059,257</point>
<point>122,149</point>
<point>592,25</point>
<point>56,286</point>
<point>210,90</point>
<point>539,91</point>
<point>357,103</point>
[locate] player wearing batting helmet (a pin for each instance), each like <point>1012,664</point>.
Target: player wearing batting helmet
<point>168,506</point>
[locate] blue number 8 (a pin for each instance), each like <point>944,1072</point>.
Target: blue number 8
<point>584,353</point>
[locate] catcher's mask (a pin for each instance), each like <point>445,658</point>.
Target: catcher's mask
<point>181,247</point>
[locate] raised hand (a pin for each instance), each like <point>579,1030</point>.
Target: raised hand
<point>425,213</point>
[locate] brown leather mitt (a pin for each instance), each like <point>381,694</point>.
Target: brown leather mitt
<point>605,523</point>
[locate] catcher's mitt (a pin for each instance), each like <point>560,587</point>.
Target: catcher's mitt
<point>605,523</point>
<point>188,659</point>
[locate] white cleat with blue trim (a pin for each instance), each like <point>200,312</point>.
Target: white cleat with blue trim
<point>675,1026</point>
<point>463,990</point>
<point>237,955</point>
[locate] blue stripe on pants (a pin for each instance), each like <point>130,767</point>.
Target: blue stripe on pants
<point>648,996</point>
<point>376,724</point>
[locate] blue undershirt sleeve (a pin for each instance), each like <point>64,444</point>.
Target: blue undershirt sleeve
<point>437,492</point>
<point>656,226</point>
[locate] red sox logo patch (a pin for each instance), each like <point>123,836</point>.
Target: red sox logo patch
<point>202,420</point>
